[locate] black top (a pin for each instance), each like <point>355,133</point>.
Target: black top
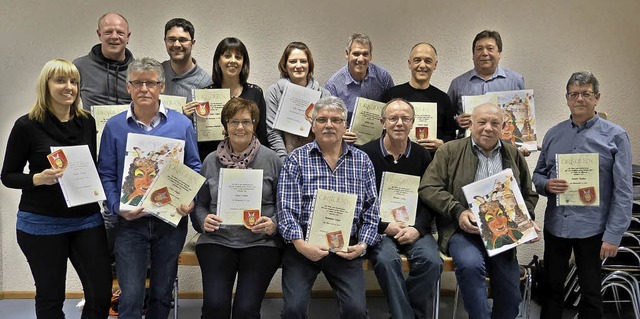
<point>250,92</point>
<point>413,162</point>
<point>446,122</point>
<point>30,142</point>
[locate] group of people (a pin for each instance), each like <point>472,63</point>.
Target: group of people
<point>49,233</point>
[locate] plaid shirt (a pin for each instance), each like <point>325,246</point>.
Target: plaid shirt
<point>305,170</point>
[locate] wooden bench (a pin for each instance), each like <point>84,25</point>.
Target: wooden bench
<point>188,258</point>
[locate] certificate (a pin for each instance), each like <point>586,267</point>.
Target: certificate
<point>581,171</point>
<point>294,110</point>
<point>176,185</point>
<point>332,216</point>
<point>239,196</point>
<point>426,121</point>
<point>145,158</point>
<point>365,121</point>
<point>208,113</point>
<point>518,109</point>
<point>102,113</point>
<point>173,102</point>
<point>469,102</point>
<point>398,198</point>
<point>501,213</point>
<point>80,182</point>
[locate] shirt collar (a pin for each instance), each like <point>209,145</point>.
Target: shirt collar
<point>316,148</point>
<point>406,154</point>
<point>499,73</point>
<point>162,111</point>
<point>478,149</point>
<point>349,79</point>
<point>588,124</point>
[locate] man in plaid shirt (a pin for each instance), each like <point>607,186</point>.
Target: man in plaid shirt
<point>326,163</point>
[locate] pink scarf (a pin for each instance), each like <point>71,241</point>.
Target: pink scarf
<point>230,160</point>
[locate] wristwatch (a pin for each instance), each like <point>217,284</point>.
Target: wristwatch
<point>364,248</point>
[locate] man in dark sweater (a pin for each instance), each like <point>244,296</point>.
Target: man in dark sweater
<point>394,152</point>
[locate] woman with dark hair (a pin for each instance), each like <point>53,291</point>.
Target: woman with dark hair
<point>231,71</point>
<point>48,232</point>
<point>253,253</point>
<point>295,66</point>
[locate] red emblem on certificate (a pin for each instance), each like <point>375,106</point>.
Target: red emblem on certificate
<point>250,217</point>
<point>161,197</point>
<point>335,240</point>
<point>57,159</point>
<point>587,194</point>
<point>422,132</point>
<point>309,111</point>
<point>203,109</point>
<point>400,214</point>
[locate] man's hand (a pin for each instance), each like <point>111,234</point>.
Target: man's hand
<point>407,236</point>
<point>48,176</point>
<point>467,222</point>
<point>393,228</point>
<point>524,151</point>
<point>185,210</point>
<point>608,250</point>
<point>350,137</point>
<point>264,225</point>
<point>430,144</point>
<point>212,223</point>
<point>312,252</point>
<point>133,214</point>
<point>537,229</point>
<point>557,186</point>
<point>464,120</point>
<point>352,253</point>
<point>189,108</point>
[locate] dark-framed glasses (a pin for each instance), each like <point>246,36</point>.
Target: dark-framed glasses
<point>394,119</point>
<point>149,84</point>
<point>172,40</point>
<point>585,95</point>
<point>334,120</point>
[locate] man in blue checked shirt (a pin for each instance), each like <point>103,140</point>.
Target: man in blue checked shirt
<point>331,164</point>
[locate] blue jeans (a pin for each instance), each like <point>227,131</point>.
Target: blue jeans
<point>473,266</point>
<point>346,278</point>
<point>407,299</point>
<point>138,243</point>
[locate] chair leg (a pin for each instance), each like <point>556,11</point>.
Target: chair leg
<point>436,300</point>
<point>176,299</point>
<point>455,301</point>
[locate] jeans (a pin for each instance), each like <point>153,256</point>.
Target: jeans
<point>47,256</point>
<point>557,252</point>
<point>219,264</point>
<point>473,266</point>
<point>138,243</point>
<point>407,299</point>
<point>346,278</point>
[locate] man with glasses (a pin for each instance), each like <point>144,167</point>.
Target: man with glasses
<point>326,163</point>
<point>181,71</point>
<point>457,164</point>
<point>593,233</point>
<point>423,60</point>
<point>394,152</point>
<point>103,71</point>
<point>486,76</point>
<point>143,239</point>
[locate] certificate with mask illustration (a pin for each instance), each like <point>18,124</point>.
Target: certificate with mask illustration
<point>365,121</point>
<point>425,121</point>
<point>582,173</point>
<point>518,114</point>
<point>173,102</point>
<point>398,198</point>
<point>176,184</point>
<point>208,114</point>
<point>294,111</point>
<point>102,113</point>
<point>500,212</point>
<point>469,102</point>
<point>239,196</point>
<point>145,157</point>
<point>80,182</point>
<point>332,216</point>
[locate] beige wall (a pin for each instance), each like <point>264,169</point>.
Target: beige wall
<point>544,40</point>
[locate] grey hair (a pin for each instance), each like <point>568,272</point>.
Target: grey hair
<point>359,38</point>
<point>145,65</point>
<point>329,103</point>
<point>384,108</point>
<point>582,78</point>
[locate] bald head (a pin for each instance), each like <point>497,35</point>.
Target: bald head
<point>423,60</point>
<point>113,32</point>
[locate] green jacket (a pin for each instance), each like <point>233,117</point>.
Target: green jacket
<point>454,165</point>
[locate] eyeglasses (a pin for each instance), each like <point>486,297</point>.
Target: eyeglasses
<point>334,120</point>
<point>236,123</point>
<point>149,84</point>
<point>394,119</point>
<point>585,95</point>
<point>181,40</point>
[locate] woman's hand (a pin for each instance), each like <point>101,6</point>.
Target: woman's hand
<point>212,223</point>
<point>47,177</point>
<point>264,225</point>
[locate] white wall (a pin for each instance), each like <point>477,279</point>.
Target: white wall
<point>544,40</point>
